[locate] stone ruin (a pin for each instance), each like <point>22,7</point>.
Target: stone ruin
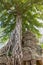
<point>30,52</point>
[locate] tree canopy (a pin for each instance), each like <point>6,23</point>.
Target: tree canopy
<point>31,12</point>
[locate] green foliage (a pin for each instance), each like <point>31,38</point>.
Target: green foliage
<point>42,45</point>
<point>30,11</point>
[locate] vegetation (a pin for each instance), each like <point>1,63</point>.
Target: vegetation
<point>42,45</point>
<point>31,11</point>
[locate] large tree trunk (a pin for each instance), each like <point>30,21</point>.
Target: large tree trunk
<point>18,30</point>
<point>15,39</point>
<point>18,36</point>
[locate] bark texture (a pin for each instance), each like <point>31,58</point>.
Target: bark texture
<point>18,30</point>
<point>18,36</point>
<point>24,54</point>
<point>20,50</point>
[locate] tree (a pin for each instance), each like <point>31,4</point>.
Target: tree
<point>21,15</point>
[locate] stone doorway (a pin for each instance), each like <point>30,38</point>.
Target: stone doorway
<point>27,62</point>
<point>38,62</point>
<point>16,61</point>
<point>2,64</point>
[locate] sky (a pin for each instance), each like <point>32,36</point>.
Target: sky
<point>41,31</point>
<point>1,45</point>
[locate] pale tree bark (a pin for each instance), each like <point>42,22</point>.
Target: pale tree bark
<point>18,30</point>
<point>15,39</point>
<point>18,35</point>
